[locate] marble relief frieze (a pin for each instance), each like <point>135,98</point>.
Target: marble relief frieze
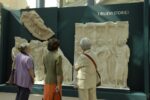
<point>109,41</point>
<point>116,1</point>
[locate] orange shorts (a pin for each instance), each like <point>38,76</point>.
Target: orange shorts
<point>50,91</point>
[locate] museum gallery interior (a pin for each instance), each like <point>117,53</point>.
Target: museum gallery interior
<point>118,30</point>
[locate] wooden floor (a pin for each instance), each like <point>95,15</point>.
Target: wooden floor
<point>11,96</point>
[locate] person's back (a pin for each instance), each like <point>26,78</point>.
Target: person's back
<point>86,72</point>
<point>53,71</point>
<point>23,64</point>
<point>50,67</point>
<point>24,72</point>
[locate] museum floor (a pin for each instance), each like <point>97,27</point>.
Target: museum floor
<point>8,92</point>
<point>11,96</point>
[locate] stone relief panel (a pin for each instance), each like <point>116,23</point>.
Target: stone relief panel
<point>38,50</point>
<point>109,43</point>
<point>70,3</point>
<point>35,25</point>
<point>116,1</point>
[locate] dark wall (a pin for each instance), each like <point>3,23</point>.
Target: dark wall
<point>66,28</point>
<point>149,40</point>
<point>3,42</point>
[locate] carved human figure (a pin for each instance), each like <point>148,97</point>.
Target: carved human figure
<point>103,53</point>
<point>37,52</point>
<point>111,64</point>
<point>122,59</point>
<point>18,42</point>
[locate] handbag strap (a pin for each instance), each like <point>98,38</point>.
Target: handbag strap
<point>93,63</point>
<point>91,60</point>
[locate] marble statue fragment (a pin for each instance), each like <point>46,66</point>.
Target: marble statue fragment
<point>18,42</point>
<point>35,25</point>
